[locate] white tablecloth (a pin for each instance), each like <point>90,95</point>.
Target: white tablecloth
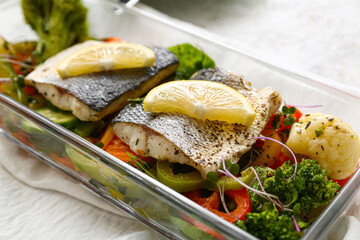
<point>321,37</point>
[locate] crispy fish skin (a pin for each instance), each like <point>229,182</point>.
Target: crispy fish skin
<point>92,96</point>
<point>198,143</point>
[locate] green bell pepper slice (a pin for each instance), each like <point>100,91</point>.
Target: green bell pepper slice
<point>181,182</point>
<point>246,176</point>
<point>185,182</point>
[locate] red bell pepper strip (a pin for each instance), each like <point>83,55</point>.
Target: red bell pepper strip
<point>21,136</point>
<point>119,149</point>
<point>297,115</point>
<point>30,90</point>
<point>212,203</point>
<point>342,182</point>
<point>112,39</point>
<point>65,161</point>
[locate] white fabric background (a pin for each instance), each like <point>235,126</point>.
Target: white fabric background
<point>321,37</point>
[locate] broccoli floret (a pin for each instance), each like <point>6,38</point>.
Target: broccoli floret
<point>58,24</point>
<point>310,189</point>
<point>270,224</point>
<point>314,187</point>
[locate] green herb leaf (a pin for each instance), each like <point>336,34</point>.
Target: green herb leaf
<point>135,101</point>
<point>289,120</point>
<point>276,121</point>
<point>292,110</point>
<point>21,81</point>
<point>211,180</point>
<point>212,176</point>
<point>228,164</point>
<point>234,169</point>
<point>285,110</point>
<point>191,60</point>
<point>139,164</point>
<point>319,131</point>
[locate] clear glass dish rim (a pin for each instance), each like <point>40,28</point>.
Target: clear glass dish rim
<point>327,216</point>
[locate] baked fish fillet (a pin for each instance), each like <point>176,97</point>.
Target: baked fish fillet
<point>90,97</point>
<point>198,143</point>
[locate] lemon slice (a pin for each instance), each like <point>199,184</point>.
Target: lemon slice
<point>201,99</point>
<point>104,57</point>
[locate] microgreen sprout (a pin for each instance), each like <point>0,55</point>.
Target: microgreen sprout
<point>135,101</point>
<point>289,120</point>
<point>22,64</point>
<point>293,155</point>
<point>276,202</point>
<point>283,120</point>
<point>307,106</point>
<point>288,110</point>
<point>233,168</point>
<point>222,197</point>
<point>229,169</point>
<point>139,164</point>
<point>211,180</point>
<point>227,173</point>
<point>295,223</point>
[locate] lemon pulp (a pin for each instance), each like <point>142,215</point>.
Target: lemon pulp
<point>202,100</point>
<point>105,57</point>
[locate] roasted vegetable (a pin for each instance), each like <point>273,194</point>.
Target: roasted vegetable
<point>58,24</point>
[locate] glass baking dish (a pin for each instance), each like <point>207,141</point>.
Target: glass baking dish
<point>151,202</point>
